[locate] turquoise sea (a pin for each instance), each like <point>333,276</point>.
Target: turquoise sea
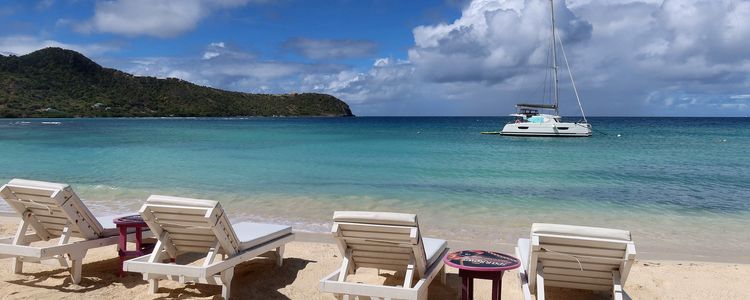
<point>681,185</point>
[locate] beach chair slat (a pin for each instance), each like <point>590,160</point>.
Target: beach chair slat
<point>184,224</point>
<point>187,230</point>
<point>573,250</point>
<point>168,217</point>
<point>187,243</point>
<point>382,266</point>
<point>52,219</point>
<point>544,256</point>
<point>44,200</point>
<point>574,265</point>
<point>226,236</point>
<point>42,192</point>
<point>381,260</point>
<point>192,249</point>
<point>578,279</point>
<point>376,241</point>
<point>377,236</point>
<point>591,243</point>
<point>193,237</point>
<point>381,254</point>
<point>376,228</point>
<point>44,211</point>
<point>578,272</point>
<point>169,209</point>
<point>576,285</point>
<point>391,249</point>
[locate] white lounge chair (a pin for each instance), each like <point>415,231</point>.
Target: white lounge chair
<point>53,211</point>
<point>388,241</point>
<point>578,257</point>
<point>184,225</point>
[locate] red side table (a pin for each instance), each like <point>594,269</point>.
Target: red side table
<point>481,264</point>
<point>123,224</point>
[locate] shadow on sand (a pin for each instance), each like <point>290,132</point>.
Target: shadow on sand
<point>256,279</point>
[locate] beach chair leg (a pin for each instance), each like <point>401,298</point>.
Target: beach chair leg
<point>75,270</point>
<point>616,286</point>
<point>226,282</point>
<point>280,256</point>
<point>16,265</point>
<point>539,282</point>
<point>153,286</point>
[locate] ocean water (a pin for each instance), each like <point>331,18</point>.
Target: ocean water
<point>681,185</point>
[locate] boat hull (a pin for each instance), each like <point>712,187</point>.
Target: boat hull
<point>547,129</point>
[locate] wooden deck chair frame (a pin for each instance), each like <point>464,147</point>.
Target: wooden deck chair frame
<point>386,247</point>
<point>577,262</point>
<point>53,211</point>
<point>186,228</point>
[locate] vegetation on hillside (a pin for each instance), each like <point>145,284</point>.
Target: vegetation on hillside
<point>55,82</point>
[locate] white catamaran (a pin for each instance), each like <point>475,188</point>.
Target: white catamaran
<point>530,121</point>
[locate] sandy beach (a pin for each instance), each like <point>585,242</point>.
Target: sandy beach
<point>306,262</point>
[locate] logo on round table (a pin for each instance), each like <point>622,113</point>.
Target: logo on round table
<point>481,259</point>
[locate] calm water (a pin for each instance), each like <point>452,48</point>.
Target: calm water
<point>682,185</point>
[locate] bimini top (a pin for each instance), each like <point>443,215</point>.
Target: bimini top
<point>526,105</point>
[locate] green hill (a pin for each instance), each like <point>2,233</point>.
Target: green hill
<point>54,82</point>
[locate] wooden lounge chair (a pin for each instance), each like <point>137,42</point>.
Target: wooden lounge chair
<point>184,225</point>
<point>388,241</point>
<point>577,257</point>
<point>53,211</point>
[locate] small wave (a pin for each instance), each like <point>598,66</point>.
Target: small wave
<point>105,187</point>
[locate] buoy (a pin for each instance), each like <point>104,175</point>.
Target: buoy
<point>618,135</point>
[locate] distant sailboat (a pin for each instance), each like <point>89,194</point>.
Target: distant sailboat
<point>531,122</point>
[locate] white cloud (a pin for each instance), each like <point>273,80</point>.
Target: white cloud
<point>163,18</point>
<point>224,66</point>
<point>331,49</point>
<point>24,44</point>
<point>210,54</point>
<point>630,57</point>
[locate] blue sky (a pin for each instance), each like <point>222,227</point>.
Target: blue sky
<point>387,57</point>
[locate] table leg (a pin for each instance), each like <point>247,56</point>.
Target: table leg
<point>467,284</point>
<point>497,287</point>
<point>138,241</point>
<point>471,287</point>
<point>122,245</point>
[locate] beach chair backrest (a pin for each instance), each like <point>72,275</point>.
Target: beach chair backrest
<point>48,207</point>
<point>186,225</point>
<point>580,257</point>
<point>380,240</point>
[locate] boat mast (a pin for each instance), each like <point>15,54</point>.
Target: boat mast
<point>554,58</point>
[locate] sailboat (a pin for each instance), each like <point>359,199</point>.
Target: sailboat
<point>544,119</point>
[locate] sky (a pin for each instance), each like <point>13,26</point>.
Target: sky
<point>417,58</point>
